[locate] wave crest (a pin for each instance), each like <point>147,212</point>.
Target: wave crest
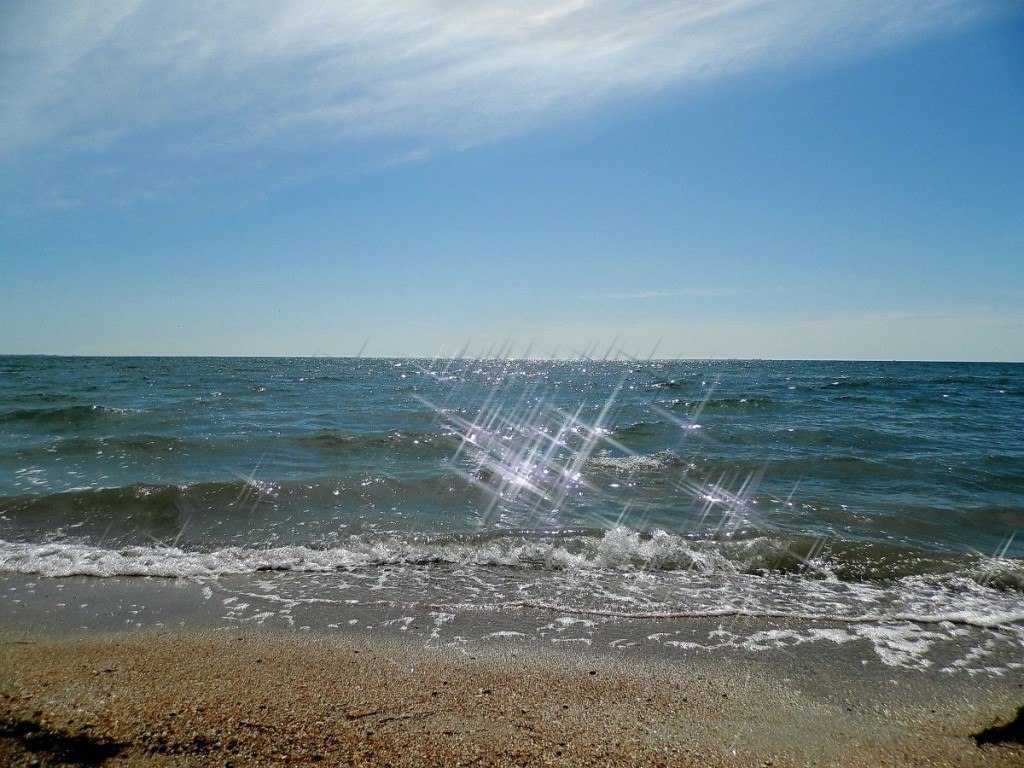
<point>618,549</point>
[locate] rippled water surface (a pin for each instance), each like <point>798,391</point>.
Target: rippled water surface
<point>883,490</point>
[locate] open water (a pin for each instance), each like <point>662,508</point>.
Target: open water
<point>885,498</point>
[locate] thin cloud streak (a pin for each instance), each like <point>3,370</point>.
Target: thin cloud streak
<point>221,76</point>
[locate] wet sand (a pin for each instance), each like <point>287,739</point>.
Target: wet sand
<point>229,697</point>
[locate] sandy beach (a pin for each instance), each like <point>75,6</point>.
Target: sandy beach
<point>229,697</point>
<point>512,384</point>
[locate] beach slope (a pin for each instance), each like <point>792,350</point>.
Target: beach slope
<point>230,697</point>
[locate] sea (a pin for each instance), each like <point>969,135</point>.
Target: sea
<point>879,503</point>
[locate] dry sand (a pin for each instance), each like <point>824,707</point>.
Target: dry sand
<point>223,698</point>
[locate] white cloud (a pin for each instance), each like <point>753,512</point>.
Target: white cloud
<point>210,76</point>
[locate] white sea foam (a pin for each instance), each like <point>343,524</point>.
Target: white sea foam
<point>619,574</point>
<point>618,549</point>
<point>900,645</point>
<point>641,462</point>
<point>913,623</point>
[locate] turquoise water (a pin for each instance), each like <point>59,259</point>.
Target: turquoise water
<point>885,493</point>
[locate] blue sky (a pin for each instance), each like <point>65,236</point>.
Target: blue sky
<point>703,179</point>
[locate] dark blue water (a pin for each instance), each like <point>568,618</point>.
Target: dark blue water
<point>825,488</point>
<point>217,452</point>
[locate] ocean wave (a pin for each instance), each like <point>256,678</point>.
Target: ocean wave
<point>332,439</point>
<point>642,462</point>
<point>64,417</point>
<point>671,384</point>
<point>616,550</point>
<point>638,429</point>
<point>338,442</point>
<point>724,403</point>
<point>133,505</point>
<point>858,383</point>
<point>851,399</point>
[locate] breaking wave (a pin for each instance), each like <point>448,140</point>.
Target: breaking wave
<point>616,550</point>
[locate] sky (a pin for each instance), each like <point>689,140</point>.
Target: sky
<point>798,179</point>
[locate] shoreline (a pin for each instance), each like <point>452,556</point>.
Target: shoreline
<point>179,686</point>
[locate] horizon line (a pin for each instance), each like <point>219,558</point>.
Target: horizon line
<point>493,358</point>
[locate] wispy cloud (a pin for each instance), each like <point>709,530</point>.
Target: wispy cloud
<point>206,78</point>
